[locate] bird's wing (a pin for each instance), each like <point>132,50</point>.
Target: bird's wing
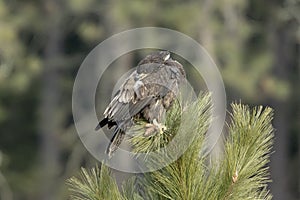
<point>126,102</point>
<point>163,83</point>
<point>160,79</point>
<point>147,83</point>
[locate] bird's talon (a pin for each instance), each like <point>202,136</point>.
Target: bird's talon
<point>152,129</point>
<point>149,125</point>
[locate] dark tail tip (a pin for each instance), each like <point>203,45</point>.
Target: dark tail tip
<point>97,127</point>
<point>102,123</point>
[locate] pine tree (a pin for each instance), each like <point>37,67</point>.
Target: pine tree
<point>240,173</point>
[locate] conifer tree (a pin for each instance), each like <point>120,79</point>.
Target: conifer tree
<point>240,173</point>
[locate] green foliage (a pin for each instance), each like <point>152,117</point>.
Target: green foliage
<point>254,43</point>
<point>144,144</point>
<point>98,184</point>
<point>253,132</point>
<point>179,179</point>
<point>240,173</point>
<point>243,172</point>
<point>93,185</point>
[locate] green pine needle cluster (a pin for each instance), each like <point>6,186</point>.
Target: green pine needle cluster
<point>143,144</point>
<point>94,184</point>
<point>241,172</point>
<point>192,120</point>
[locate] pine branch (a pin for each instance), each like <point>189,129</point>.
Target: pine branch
<point>241,173</point>
<point>94,184</point>
<point>247,153</point>
<point>143,144</point>
<point>129,189</point>
<point>181,179</point>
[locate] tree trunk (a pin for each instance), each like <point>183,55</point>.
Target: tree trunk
<point>50,93</point>
<point>279,160</point>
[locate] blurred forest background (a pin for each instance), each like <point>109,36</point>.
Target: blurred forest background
<point>254,43</point>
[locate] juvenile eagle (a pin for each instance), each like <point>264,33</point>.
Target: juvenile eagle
<point>147,93</point>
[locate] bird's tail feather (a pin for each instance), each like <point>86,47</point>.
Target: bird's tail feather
<point>102,123</point>
<point>115,142</point>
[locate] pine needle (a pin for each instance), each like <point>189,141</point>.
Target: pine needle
<point>94,184</point>
<point>241,173</point>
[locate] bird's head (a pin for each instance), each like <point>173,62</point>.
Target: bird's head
<point>156,57</point>
<point>164,55</point>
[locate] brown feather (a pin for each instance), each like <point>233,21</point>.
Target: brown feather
<point>147,93</point>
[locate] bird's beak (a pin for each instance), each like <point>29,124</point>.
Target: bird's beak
<point>167,57</point>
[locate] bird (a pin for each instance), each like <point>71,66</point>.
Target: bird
<point>147,93</point>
